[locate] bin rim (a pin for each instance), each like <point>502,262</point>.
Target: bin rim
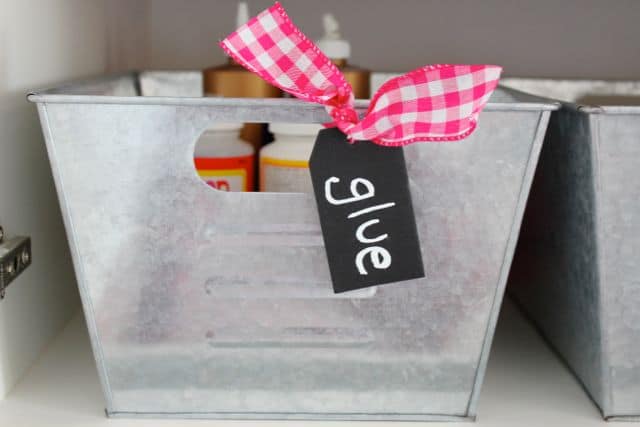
<point>609,109</point>
<point>511,83</point>
<point>69,93</point>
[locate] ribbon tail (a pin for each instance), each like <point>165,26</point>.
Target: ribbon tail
<point>272,47</point>
<point>433,103</point>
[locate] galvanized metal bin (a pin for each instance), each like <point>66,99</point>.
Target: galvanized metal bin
<point>576,271</point>
<point>202,303</point>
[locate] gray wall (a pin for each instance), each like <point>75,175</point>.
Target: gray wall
<point>42,42</point>
<point>562,38</point>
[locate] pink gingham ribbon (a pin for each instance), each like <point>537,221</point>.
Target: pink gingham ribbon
<point>433,103</point>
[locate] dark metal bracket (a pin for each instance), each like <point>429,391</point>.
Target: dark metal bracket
<point>15,257</point>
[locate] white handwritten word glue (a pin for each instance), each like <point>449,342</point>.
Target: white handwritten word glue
<point>223,160</point>
<point>380,256</point>
<point>284,164</point>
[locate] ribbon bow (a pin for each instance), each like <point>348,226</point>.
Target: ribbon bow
<point>433,103</point>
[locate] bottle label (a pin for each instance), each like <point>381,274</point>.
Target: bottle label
<point>226,173</point>
<point>284,176</point>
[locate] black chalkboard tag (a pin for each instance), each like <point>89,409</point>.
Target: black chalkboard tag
<point>367,219</point>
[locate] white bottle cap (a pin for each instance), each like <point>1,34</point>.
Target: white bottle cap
<point>332,43</point>
<point>242,15</point>
<point>302,129</point>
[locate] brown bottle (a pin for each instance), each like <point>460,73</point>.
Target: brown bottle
<point>233,81</point>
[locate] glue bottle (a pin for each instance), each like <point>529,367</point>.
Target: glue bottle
<point>284,164</point>
<point>233,81</point>
<point>339,51</point>
<point>223,160</point>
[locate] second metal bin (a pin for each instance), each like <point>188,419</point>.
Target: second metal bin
<point>576,271</point>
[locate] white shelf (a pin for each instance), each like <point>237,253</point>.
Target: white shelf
<point>525,385</point>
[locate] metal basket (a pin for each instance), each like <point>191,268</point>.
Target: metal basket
<point>576,268</point>
<point>205,304</point>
